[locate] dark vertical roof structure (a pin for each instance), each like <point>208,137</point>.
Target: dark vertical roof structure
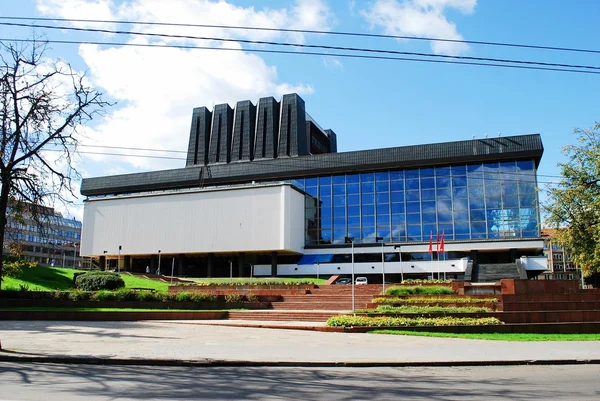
<point>267,142</point>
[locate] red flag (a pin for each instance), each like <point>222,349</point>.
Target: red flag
<point>442,243</point>
<point>437,241</point>
<point>430,243</point>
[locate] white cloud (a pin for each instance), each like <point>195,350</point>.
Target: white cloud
<point>421,18</point>
<point>156,89</point>
<point>77,9</point>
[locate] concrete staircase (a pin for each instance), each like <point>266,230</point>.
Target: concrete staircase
<point>493,272</point>
<point>330,298</point>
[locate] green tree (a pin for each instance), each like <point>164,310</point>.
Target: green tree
<point>43,105</point>
<point>573,207</point>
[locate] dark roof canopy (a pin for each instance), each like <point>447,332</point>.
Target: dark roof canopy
<point>470,151</point>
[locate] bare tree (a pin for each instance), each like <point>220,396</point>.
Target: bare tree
<point>43,105</point>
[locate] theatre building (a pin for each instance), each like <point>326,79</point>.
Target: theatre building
<point>265,193</point>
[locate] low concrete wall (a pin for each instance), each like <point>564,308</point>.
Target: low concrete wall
<point>111,316</point>
<point>60,303</point>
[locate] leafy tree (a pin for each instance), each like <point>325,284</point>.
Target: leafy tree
<point>574,203</point>
<point>43,105</point>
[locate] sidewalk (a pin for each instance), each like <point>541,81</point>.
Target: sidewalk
<point>203,343</point>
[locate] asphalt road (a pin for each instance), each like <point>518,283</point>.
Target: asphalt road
<point>77,382</point>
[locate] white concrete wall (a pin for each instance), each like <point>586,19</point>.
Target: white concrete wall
<point>535,262</point>
<point>413,267</point>
<point>239,219</point>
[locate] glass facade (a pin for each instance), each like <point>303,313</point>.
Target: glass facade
<point>465,202</point>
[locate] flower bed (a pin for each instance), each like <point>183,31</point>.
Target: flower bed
<point>421,290</point>
<point>390,321</point>
<point>432,300</point>
<point>428,309</point>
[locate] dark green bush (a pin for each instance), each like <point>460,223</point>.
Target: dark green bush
<point>94,281</point>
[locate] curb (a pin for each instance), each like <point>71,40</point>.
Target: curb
<point>63,359</point>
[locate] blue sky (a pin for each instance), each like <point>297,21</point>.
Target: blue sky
<point>368,103</point>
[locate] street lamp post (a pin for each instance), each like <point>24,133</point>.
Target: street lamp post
<point>158,271</point>
<point>382,263</point>
<point>119,261</point>
<point>351,241</point>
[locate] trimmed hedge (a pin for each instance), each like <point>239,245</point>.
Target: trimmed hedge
<point>429,309</point>
<point>388,321</point>
<point>416,290</point>
<point>421,281</point>
<point>246,281</point>
<point>434,300</point>
<point>97,280</point>
<point>133,295</point>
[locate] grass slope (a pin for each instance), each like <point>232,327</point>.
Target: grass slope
<point>498,336</point>
<point>41,278</point>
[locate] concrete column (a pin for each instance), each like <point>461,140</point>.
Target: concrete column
<point>273,264</point>
<point>210,264</point>
<point>513,255</point>
<point>474,258</point>
<point>180,265</point>
<point>102,262</point>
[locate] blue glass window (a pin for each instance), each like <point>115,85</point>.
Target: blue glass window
<point>339,189</point>
<point>427,183</point>
<point>368,221</point>
<point>383,208</point>
<point>324,191</point>
<point>367,187</point>
<point>493,203</point>
<point>382,176</point>
<point>352,178</point>
<point>354,221</point>
<point>382,186</point>
<point>445,217</point>
<point>397,185</point>
<point>442,182</point>
<point>477,215</point>
<point>367,177</point>
<point>353,188</point>
<point>397,175</point>
<point>428,207</point>
<point>353,210</point>
<point>398,219</point>
<point>311,182</point>
<point>427,172</point>
<point>339,211</point>
<point>383,197</point>
<point>413,207</point>
<point>442,171</point>
<point>414,233</point>
<point>368,210</point>
<point>412,183</point>
<point>461,216</point>
<point>412,196</point>
<point>368,199</point>
<point>353,199</point>
<point>339,200</point>
<point>443,193</point>
<point>459,193</point>
<point>428,194</point>
<point>397,197</point>
<point>459,181</point>
<point>429,218</point>
<point>339,179</point>
<point>398,208</point>
<point>383,220</point>
<point>411,174</point>
<point>413,218</point>
<point>325,180</point>
<point>527,200</point>
<point>458,171</point>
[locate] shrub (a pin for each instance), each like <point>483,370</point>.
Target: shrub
<point>78,295</point>
<point>234,298</point>
<point>96,280</point>
<point>428,281</point>
<point>104,295</point>
<point>429,309</point>
<point>388,321</point>
<point>184,296</point>
<point>434,300</point>
<point>251,298</point>
<point>424,290</point>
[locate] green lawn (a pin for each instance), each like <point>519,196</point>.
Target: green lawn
<point>41,278</point>
<point>497,336</point>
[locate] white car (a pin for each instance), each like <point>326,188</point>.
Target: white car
<point>361,280</point>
